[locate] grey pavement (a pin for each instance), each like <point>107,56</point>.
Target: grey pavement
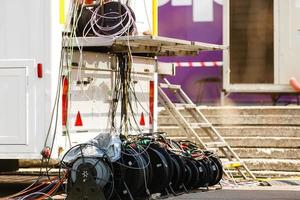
<point>277,191</point>
<point>246,193</point>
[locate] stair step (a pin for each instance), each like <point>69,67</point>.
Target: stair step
<point>252,110</point>
<point>239,120</point>
<point>245,110</point>
<point>270,142</point>
<point>274,174</point>
<point>260,153</point>
<point>253,142</point>
<point>201,125</point>
<point>241,131</point>
<point>215,144</point>
<point>273,164</point>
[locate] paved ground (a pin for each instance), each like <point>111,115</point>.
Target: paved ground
<point>13,184</point>
<point>247,193</point>
<point>244,193</point>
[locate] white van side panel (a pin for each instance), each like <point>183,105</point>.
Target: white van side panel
<point>30,33</point>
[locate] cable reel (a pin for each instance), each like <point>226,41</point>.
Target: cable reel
<point>108,19</point>
<point>188,176</point>
<point>114,16</point>
<point>193,183</point>
<point>90,173</point>
<point>134,174</point>
<point>85,167</point>
<point>217,168</point>
<point>178,174</point>
<point>160,168</point>
<point>88,179</point>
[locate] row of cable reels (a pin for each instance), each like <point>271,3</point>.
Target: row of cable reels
<point>148,165</point>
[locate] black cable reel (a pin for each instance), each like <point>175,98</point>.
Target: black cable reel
<point>134,173</point>
<point>107,19</point>
<point>90,176</point>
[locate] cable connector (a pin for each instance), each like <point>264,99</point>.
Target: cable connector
<point>46,152</point>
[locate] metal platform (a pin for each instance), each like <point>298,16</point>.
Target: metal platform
<point>152,45</point>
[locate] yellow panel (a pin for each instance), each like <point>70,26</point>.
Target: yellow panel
<point>62,11</point>
<point>154,17</point>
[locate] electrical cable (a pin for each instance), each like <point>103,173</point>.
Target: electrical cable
<point>40,193</point>
<point>139,153</point>
<point>54,189</point>
<point>147,16</point>
<point>109,33</point>
<point>29,190</point>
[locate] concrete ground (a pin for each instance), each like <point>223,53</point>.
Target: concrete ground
<point>246,193</point>
<point>279,190</point>
<point>242,193</point>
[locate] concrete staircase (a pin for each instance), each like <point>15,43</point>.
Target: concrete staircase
<point>266,138</point>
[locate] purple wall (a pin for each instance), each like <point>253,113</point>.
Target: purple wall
<point>177,22</point>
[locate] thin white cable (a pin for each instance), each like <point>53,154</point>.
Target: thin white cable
<point>35,193</point>
<point>96,17</point>
<point>147,16</point>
